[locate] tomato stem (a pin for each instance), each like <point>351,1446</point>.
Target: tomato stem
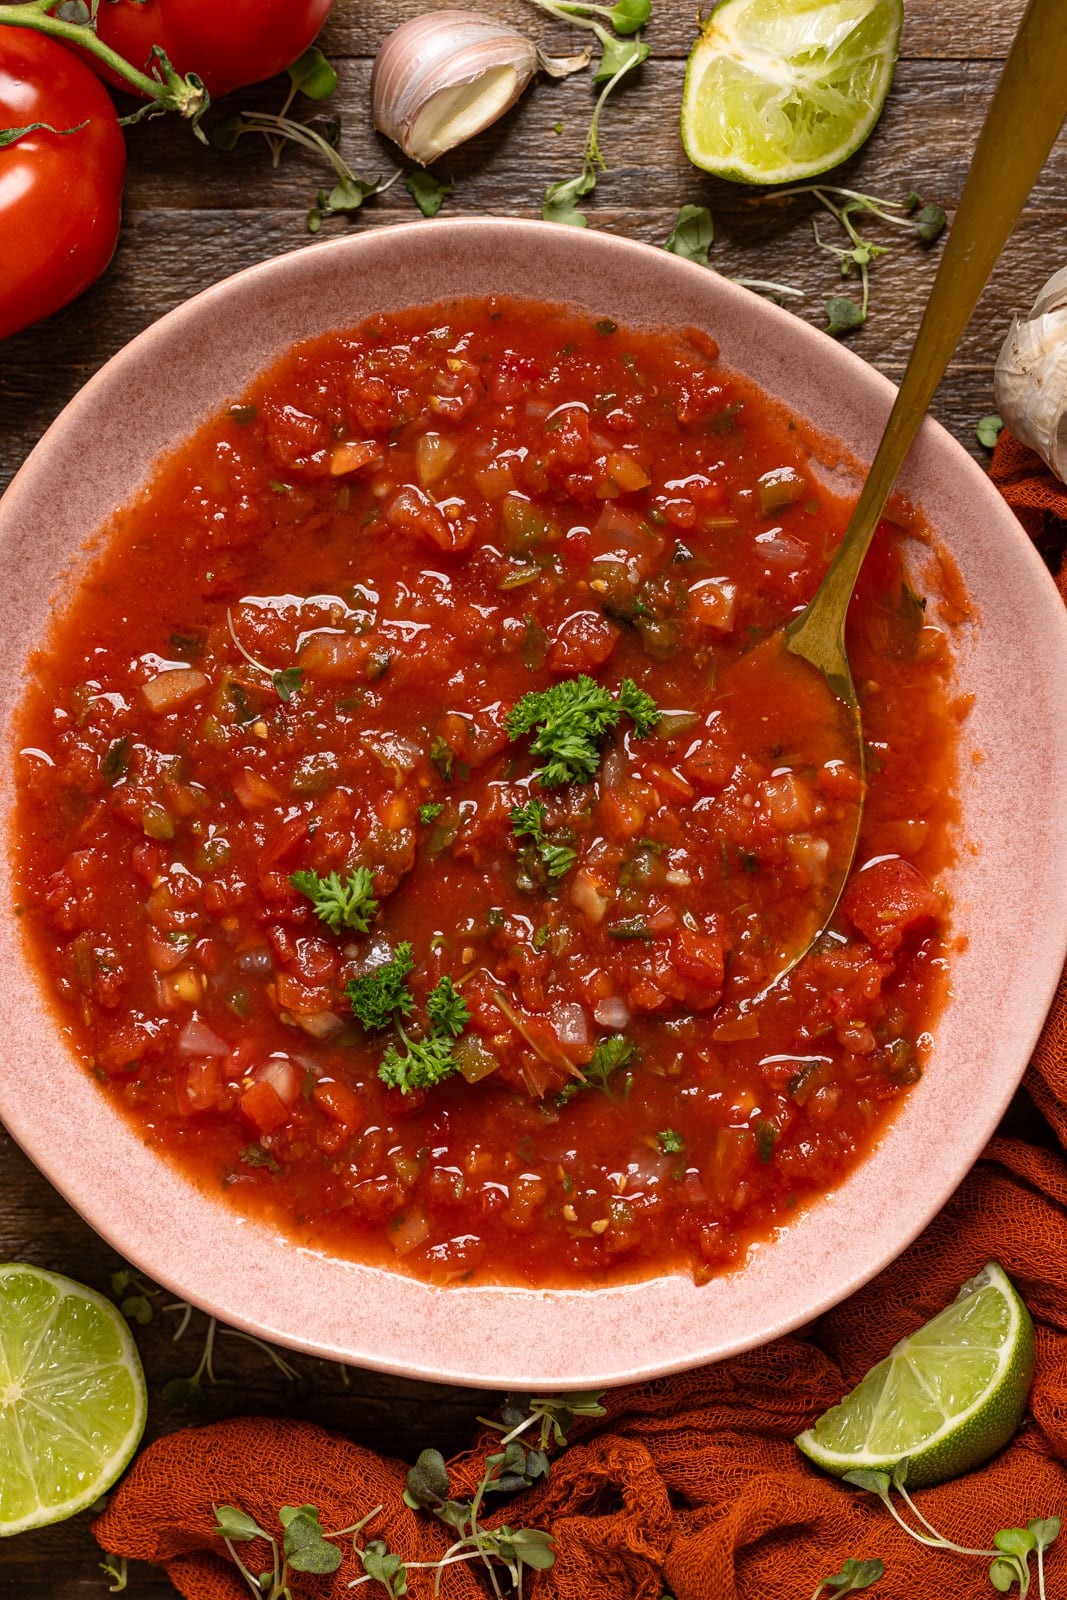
<point>169,92</point>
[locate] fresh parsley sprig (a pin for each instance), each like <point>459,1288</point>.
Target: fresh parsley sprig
<point>420,1065</point>
<point>340,902</point>
<point>570,718</point>
<point>377,996</point>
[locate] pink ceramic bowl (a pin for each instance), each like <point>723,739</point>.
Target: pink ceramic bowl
<point>1010,893</point>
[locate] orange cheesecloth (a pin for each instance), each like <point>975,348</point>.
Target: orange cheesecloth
<point>691,1485</point>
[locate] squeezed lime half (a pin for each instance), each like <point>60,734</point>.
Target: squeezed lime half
<point>778,91</point>
<point>72,1397</point>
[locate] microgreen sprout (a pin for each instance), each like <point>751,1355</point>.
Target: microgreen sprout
<point>310,75</point>
<point>115,1568</point>
<point>619,56</point>
<point>305,1545</point>
<point>427,191</point>
<point>1012,1547</point>
<point>692,237</point>
<point>286,681</point>
<point>188,1393</point>
<point>926,221</point>
<point>854,1576</point>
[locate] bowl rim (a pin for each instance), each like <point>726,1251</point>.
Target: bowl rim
<point>640,1330</point>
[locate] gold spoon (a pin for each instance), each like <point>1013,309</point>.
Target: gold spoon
<point>1027,111</point>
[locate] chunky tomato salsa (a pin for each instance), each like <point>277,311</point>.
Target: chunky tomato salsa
<point>420,814</point>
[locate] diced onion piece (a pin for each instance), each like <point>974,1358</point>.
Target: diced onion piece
<point>812,854</point>
<point>589,896</point>
<point>612,1012</point>
<point>197,1039</point>
<point>713,601</point>
<point>172,688</point>
<point>283,1076</point>
<point>569,1023</point>
<point>409,1230</point>
<point>789,801</point>
<point>433,456</point>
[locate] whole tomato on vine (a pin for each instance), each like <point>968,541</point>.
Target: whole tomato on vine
<point>227,43</point>
<point>62,165</point>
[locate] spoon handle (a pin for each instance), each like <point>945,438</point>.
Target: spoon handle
<point>1027,111</point>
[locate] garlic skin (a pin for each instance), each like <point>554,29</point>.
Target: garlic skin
<point>441,78</point>
<point>1030,378</point>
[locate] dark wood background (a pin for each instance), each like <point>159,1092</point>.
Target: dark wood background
<point>195,215</point>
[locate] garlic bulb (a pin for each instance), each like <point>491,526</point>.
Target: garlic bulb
<point>441,78</point>
<point>1030,380</point>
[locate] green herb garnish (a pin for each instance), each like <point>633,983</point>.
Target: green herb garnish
<point>670,1142</point>
<point>423,1063</point>
<point>427,191</point>
<point>377,996</point>
<point>570,718</point>
<point>430,810</point>
<point>447,1009</point>
<point>528,823</point>
<point>340,903</point>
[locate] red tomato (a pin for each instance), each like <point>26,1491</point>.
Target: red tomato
<point>60,193</point>
<point>227,43</point>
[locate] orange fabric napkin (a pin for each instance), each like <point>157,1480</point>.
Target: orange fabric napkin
<point>692,1483</point>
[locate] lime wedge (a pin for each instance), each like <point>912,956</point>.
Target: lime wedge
<point>72,1397</point>
<point>777,91</point>
<point>947,1396</point>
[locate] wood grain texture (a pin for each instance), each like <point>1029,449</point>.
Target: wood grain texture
<point>194,215</point>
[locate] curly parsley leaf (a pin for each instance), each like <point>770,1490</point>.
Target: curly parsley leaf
<point>340,902</point>
<point>670,1142</point>
<point>377,996</point>
<point>430,810</point>
<point>447,1009</point>
<point>422,1064</point>
<point>639,707</point>
<point>570,718</point>
<point>610,1054</point>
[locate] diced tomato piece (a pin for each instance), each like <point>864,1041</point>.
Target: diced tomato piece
<point>514,378</point>
<point>413,513</point>
<point>707,765</point>
<point>338,1101</point>
<point>262,1108</point>
<point>296,440</point>
<point>585,640</point>
<point>199,1086</point>
<point>567,438</point>
<point>886,901</point>
<point>698,957</point>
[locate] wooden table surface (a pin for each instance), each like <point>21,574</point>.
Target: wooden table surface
<point>195,215</point>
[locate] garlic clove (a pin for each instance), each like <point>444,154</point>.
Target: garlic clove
<point>1030,377</point>
<point>442,77</point>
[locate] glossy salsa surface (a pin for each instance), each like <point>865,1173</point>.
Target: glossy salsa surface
<point>329,915</point>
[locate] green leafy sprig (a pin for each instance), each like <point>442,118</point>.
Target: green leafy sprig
<point>340,902</point>
<point>570,718</point>
<point>692,237</point>
<point>378,996</point>
<point>304,1546</point>
<point>311,75</point>
<point>854,1576</point>
<point>382,997</point>
<point>620,54</point>
<point>1012,1547</point>
<point>927,221</point>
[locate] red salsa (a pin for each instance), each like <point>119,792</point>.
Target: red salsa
<point>418,811</point>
